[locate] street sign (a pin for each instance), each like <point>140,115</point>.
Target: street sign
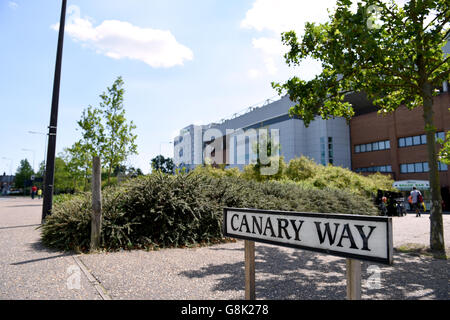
<point>358,237</point>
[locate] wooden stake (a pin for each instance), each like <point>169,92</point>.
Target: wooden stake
<point>96,215</point>
<point>250,270</point>
<point>353,279</point>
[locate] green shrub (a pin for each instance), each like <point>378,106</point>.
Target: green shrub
<point>162,210</point>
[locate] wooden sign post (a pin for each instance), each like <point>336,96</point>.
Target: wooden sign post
<point>355,237</point>
<point>250,293</point>
<point>353,279</point>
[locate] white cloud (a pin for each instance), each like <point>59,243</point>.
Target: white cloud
<point>119,40</point>
<point>272,17</point>
<point>283,15</point>
<point>13,4</point>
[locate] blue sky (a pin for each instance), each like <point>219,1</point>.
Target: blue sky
<point>182,62</point>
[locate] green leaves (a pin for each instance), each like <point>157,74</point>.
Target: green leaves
<point>105,133</point>
<point>382,60</point>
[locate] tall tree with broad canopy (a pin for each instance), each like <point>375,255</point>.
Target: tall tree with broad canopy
<point>393,53</point>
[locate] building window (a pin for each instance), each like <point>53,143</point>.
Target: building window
<point>441,135</point>
<point>383,169</point>
<point>322,151</point>
<point>330,150</point>
<point>420,167</point>
<point>442,166</point>
<point>374,146</point>
<point>417,140</point>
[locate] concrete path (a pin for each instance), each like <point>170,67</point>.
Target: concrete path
<point>30,271</point>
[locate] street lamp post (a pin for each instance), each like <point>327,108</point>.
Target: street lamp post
<point>45,149</point>
<point>50,163</point>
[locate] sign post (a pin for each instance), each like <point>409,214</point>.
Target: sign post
<point>355,237</point>
<point>250,293</point>
<point>353,279</point>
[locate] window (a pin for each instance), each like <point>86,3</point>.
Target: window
<point>408,141</point>
<point>375,169</point>
<point>423,139</point>
<point>441,135</point>
<point>403,168</point>
<point>330,150</point>
<point>442,166</point>
<point>425,167</point>
<point>375,146</point>
<point>411,168</point>
<point>418,167</point>
<point>417,140</point>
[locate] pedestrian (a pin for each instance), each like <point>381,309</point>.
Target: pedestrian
<point>39,193</point>
<point>417,199</point>
<point>383,207</point>
<point>33,191</point>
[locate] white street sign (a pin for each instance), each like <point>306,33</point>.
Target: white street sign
<point>352,236</point>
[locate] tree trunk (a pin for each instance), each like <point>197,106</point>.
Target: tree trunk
<point>437,243</point>
<point>96,215</point>
<point>109,172</point>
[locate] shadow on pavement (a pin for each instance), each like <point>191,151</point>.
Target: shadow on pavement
<point>306,275</point>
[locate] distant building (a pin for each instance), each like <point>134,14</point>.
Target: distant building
<point>233,142</point>
<point>6,183</point>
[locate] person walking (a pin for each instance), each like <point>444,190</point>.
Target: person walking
<point>417,199</point>
<point>39,193</point>
<point>383,208</point>
<point>33,191</point>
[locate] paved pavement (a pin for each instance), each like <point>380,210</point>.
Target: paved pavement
<point>30,271</point>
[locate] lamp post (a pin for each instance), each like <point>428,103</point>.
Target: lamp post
<point>50,163</point>
<point>45,149</point>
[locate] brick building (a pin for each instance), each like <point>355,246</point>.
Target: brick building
<point>395,144</point>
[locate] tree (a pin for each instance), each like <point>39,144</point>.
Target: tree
<point>79,162</point>
<point>105,131</point>
<point>165,165</point>
<point>119,142</point>
<point>23,174</point>
<point>396,60</point>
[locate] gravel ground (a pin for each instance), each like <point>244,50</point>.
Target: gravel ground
<point>29,271</point>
